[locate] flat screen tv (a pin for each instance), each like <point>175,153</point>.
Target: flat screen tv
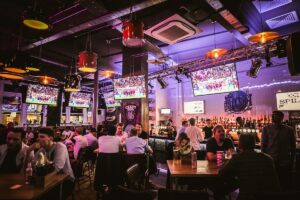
<point>110,101</point>
<point>130,88</point>
<point>80,100</point>
<point>288,101</point>
<point>10,108</point>
<point>165,111</point>
<point>194,107</point>
<point>220,79</point>
<point>39,94</point>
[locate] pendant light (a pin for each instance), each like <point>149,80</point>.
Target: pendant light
<point>216,52</point>
<point>35,19</point>
<point>87,58</point>
<point>133,32</point>
<point>12,76</point>
<point>46,80</point>
<point>16,64</point>
<point>72,81</point>
<point>263,36</point>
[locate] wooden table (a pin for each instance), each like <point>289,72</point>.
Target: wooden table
<point>26,191</point>
<point>204,169</point>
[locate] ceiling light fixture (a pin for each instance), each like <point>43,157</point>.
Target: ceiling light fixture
<point>16,63</point>
<point>87,58</point>
<point>72,83</point>
<point>46,79</point>
<point>35,19</point>
<point>162,82</point>
<point>216,52</point>
<point>8,75</point>
<point>263,36</point>
<point>255,67</point>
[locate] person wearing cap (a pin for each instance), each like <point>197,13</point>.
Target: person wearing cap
<point>54,151</point>
<point>14,153</point>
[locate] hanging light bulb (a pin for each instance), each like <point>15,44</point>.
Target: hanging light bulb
<point>88,59</point>
<point>46,79</point>
<point>216,52</point>
<point>263,37</point>
<point>35,19</point>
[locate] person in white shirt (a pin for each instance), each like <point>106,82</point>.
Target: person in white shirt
<point>91,138</point>
<point>195,135</point>
<point>109,143</point>
<point>66,133</point>
<point>121,134</point>
<point>80,141</point>
<point>136,145</point>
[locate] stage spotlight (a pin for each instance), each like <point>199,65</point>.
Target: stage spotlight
<point>187,73</point>
<point>162,82</point>
<point>178,79</point>
<point>150,85</point>
<point>267,56</point>
<point>255,67</point>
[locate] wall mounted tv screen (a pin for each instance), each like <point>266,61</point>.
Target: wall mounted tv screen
<point>130,87</point>
<point>110,100</point>
<point>39,94</point>
<point>220,79</point>
<point>194,107</point>
<point>79,100</point>
<point>288,101</point>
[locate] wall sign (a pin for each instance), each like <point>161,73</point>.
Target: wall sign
<point>238,102</point>
<point>288,101</point>
<point>194,107</point>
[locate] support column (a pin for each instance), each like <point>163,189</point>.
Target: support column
<point>1,100</point>
<point>85,115</point>
<point>24,107</point>
<point>135,63</point>
<point>68,113</point>
<point>45,115</point>
<point>95,98</point>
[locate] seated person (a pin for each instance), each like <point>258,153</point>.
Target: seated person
<point>218,143</point>
<point>109,143</point>
<point>136,145</point>
<point>66,133</point>
<point>91,138</point>
<point>141,134</point>
<point>255,171</point>
<point>121,134</point>
<point>14,154</point>
<point>80,141</point>
<point>54,151</point>
<point>183,144</point>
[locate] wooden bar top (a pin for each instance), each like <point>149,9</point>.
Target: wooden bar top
<point>204,169</point>
<point>25,191</point>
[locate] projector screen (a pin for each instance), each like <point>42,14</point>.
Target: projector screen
<point>130,88</point>
<point>289,101</point>
<point>194,107</point>
<point>110,100</point>
<point>39,94</point>
<point>80,99</point>
<point>220,79</point>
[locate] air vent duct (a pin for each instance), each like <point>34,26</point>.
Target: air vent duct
<point>264,6</point>
<point>172,30</point>
<point>283,20</point>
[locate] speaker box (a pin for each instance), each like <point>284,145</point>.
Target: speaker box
<point>293,50</point>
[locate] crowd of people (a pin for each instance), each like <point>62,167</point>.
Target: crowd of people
<point>250,170</point>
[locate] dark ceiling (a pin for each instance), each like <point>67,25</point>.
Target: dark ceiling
<point>65,15</point>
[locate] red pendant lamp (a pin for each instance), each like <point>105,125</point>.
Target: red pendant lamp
<point>133,33</point>
<point>88,59</point>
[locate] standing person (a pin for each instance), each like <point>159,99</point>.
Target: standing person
<point>195,135</point>
<point>120,133</point>
<point>14,153</point>
<point>218,143</point>
<point>278,141</point>
<point>184,125</point>
<point>208,129</point>
<point>142,134</point>
<point>255,171</point>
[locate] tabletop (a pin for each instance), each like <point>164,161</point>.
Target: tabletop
<point>25,191</point>
<point>204,169</point>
